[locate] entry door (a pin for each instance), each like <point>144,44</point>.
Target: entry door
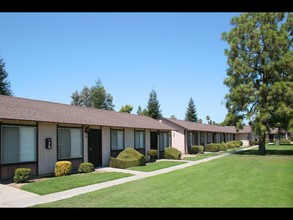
<point>95,147</point>
<point>154,140</point>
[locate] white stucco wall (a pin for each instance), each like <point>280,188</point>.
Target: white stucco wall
<point>106,149</point>
<point>47,157</point>
<point>129,137</point>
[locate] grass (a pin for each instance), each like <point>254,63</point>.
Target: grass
<point>156,166</point>
<point>57,184</point>
<point>237,180</point>
<point>202,156</point>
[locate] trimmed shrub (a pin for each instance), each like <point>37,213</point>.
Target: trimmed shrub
<point>222,146</point>
<point>22,175</point>
<point>62,168</point>
<point>212,147</point>
<point>153,154</point>
<point>230,145</point>
<point>127,158</point>
<point>172,153</point>
<point>86,167</point>
<point>197,149</point>
<point>285,141</point>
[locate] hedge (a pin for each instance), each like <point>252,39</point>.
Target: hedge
<point>62,168</point>
<point>197,149</point>
<point>172,153</point>
<point>22,175</point>
<point>127,158</point>
<point>86,167</point>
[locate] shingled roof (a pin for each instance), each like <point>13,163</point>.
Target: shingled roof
<point>192,126</point>
<point>43,111</point>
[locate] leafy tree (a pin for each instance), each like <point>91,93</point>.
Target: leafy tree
<point>126,108</point>
<point>95,97</point>
<point>4,83</point>
<point>173,117</point>
<point>191,114</point>
<point>200,121</point>
<point>139,111</point>
<point>209,120</point>
<point>260,72</point>
<point>153,107</point>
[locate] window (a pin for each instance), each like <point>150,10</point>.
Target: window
<point>209,138</point>
<point>18,144</point>
<point>139,140</point>
<point>69,143</point>
<point>117,139</point>
<point>201,138</point>
<point>164,140</point>
<point>190,138</point>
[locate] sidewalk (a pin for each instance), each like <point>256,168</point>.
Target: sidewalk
<point>12,197</point>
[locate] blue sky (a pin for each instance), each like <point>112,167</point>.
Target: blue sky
<point>181,55</point>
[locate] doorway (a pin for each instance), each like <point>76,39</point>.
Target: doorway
<point>95,147</point>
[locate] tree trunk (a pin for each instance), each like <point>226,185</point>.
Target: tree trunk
<point>262,145</point>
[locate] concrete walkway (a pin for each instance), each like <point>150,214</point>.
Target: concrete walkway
<point>12,197</point>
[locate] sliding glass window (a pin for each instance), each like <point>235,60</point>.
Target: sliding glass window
<point>18,144</point>
<point>164,140</point>
<point>139,139</point>
<point>69,143</point>
<point>117,139</point>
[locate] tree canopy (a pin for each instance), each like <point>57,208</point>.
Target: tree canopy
<point>95,97</point>
<point>4,83</point>
<point>260,72</point>
<point>126,108</point>
<point>191,114</point>
<point>153,107</point>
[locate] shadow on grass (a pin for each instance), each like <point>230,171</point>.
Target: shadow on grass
<point>268,152</point>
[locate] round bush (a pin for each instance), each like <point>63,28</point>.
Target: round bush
<point>62,168</point>
<point>86,167</point>
<point>22,175</point>
<point>172,153</point>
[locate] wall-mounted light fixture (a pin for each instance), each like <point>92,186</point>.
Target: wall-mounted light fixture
<point>87,128</point>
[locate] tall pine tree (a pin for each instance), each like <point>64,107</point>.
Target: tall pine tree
<point>4,83</point>
<point>153,107</point>
<point>260,72</point>
<point>191,114</point>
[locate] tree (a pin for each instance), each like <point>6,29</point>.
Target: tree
<point>126,108</point>
<point>191,114</point>
<point>139,111</point>
<point>173,117</point>
<point>153,107</point>
<point>209,120</point>
<point>260,72</point>
<point>4,83</point>
<point>200,121</point>
<point>95,97</point>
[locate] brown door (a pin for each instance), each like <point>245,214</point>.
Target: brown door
<point>95,147</point>
<point>154,140</point>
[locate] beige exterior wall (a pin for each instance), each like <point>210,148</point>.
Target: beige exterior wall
<point>85,145</point>
<point>106,148</point>
<point>147,142</point>
<point>243,138</point>
<point>47,157</point>
<point>177,138</point>
<point>129,137</point>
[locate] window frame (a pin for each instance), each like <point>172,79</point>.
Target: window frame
<point>168,139</point>
<point>116,129</point>
<point>142,148</point>
<point>82,143</point>
<point>35,141</point>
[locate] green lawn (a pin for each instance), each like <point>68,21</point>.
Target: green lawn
<point>202,156</point>
<point>57,184</point>
<point>237,180</point>
<point>156,166</point>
